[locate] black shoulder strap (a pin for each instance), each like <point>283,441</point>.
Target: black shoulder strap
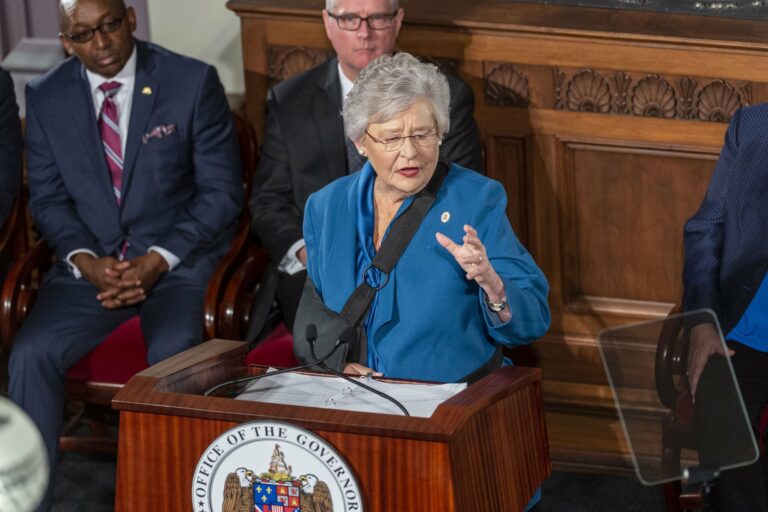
<point>398,238</point>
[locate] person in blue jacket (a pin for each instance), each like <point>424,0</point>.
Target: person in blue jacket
<point>464,284</point>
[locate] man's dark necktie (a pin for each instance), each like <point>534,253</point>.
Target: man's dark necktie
<point>354,159</point>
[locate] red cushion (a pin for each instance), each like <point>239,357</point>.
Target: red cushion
<point>117,359</point>
<point>275,350</point>
<point>763,425</point>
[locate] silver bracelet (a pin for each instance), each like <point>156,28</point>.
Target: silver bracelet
<point>496,307</point>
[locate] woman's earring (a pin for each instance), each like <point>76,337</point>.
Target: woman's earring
<point>361,151</point>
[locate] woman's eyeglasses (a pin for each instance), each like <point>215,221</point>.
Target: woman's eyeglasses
<point>421,140</point>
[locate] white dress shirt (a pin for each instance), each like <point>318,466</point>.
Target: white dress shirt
<point>123,100</point>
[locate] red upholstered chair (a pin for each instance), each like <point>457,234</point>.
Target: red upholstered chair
<point>94,380</point>
<point>276,348</point>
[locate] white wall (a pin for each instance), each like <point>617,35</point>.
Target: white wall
<point>204,29</point>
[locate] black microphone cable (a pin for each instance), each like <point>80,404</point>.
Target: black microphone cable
<point>311,335</point>
<point>316,362</point>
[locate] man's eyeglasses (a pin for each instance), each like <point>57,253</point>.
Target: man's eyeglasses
<point>353,21</point>
<point>421,140</point>
<point>86,35</point>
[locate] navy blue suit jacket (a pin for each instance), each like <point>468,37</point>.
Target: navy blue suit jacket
<point>182,191</point>
<point>726,242</point>
<point>11,146</point>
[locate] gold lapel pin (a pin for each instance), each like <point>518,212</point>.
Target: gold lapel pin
<point>445,217</point>
<point>146,91</point>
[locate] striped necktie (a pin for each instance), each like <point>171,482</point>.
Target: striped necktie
<point>109,126</point>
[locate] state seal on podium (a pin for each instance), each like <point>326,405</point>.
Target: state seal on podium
<point>269,466</point>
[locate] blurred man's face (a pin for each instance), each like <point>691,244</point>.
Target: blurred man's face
<point>356,48</point>
<point>99,33</point>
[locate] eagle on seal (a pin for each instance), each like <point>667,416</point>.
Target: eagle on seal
<point>238,491</point>
<point>315,495</point>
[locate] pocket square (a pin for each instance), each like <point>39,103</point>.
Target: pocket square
<point>158,132</point>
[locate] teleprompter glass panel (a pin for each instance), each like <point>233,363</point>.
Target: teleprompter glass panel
<point>672,436</point>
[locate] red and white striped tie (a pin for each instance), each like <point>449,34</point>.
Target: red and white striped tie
<point>109,126</point>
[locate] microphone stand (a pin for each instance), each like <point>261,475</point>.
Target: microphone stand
<point>312,336</point>
<point>243,380</point>
<point>705,478</point>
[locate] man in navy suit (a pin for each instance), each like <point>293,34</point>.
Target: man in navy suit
<point>726,260</point>
<point>134,179</point>
<point>304,144</point>
<point>10,146</point>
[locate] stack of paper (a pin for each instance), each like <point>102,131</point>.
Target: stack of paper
<point>336,393</point>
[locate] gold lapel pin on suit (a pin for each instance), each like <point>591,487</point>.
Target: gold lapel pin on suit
<point>146,91</point>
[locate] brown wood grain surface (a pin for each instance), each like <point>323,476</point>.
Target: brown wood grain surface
<point>603,125</point>
<point>485,447</point>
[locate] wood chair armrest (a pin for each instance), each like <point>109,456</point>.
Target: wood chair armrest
<point>670,357</point>
<point>235,308</point>
<point>20,288</point>
<point>243,246</point>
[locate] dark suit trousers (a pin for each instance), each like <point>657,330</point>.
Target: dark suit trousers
<point>745,488</point>
<point>67,322</point>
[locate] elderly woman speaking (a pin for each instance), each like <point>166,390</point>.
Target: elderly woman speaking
<point>464,284</point>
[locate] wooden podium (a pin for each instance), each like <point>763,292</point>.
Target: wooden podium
<point>485,449</point>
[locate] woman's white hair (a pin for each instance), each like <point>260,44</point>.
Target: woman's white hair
<point>390,85</point>
<point>330,4</point>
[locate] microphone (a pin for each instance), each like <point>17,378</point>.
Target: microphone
<point>347,335</point>
<point>311,333</point>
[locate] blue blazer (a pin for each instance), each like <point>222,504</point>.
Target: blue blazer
<point>430,322</point>
<point>182,192</point>
<point>726,241</point>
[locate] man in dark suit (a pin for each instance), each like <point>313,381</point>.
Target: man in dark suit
<point>134,179</point>
<point>304,144</point>
<point>10,147</point>
<point>726,260</point>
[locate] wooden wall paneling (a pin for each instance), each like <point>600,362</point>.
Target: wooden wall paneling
<point>256,70</point>
<point>626,207</point>
<point>507,160</point>
<point>604,131</point>
<point>614,51</point>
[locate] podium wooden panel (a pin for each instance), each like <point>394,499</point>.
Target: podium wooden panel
<point>484,449</point>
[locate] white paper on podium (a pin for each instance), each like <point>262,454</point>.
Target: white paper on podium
<point>331,392</point>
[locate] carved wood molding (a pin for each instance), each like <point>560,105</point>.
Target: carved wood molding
<point>506,86</point>
<point>287,61</point>
<point>649,95</point>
